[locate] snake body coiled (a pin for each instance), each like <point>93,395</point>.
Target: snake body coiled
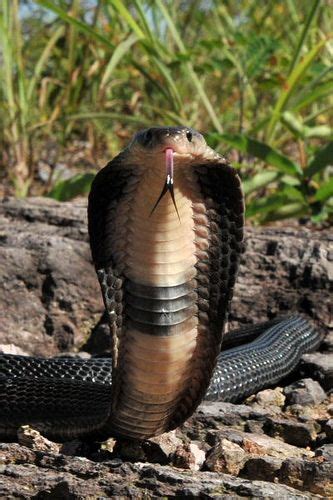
<point>167,262</point>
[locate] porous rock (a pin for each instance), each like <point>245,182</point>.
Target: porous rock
<point>293,432</point>
<point>225,456</point>
<point>31,438</point>
<point>270,397</point>
<point>48,476</point>
<point>304,392</point>
<point>319,366</point>
<point>52,304</point>
<point>309,475</point>
<point>51,300</point>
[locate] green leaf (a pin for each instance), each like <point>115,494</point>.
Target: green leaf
<point>126,15</point>
<point>189,67</point>
<point>299,129</point>
<point>275,207</point>
<point>323,158</point>
<point>291,83</point>
<point>44,58</point>
<point>263,152</point>
<point>117,56</point>
<point>259,181</point>
<point>325,191</point>
<point>306,29</point>
<point>287,211</point>
<point>293,124</point>
<point>264,205</point>
<point>314,94</point>
<point>81,26</point>
<point>138,119</point>
<point>69,188</point>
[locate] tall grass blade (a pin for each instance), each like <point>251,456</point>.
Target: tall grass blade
<point>290,86</point>
<point>126,15</point>
<point>70,188</point>
<point>43,59</point>
<point>325,191</point>
<point>323,158</point>
<point>192,74</point>
<point>120,51</point>
<point>310,19</point>
<point>263,152</point>
<point>81,26</point>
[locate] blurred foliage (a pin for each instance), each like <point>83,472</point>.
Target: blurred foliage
<point>254,77</point>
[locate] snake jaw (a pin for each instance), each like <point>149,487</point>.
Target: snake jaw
<point>168,186</point>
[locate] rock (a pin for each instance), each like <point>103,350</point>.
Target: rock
<point>304,413</point>
<point>225,457</point>
<point>168,443</point>
<point>188,457</point>
<point>50,297</point>
<point>292,273</point>
<point>320,367</point>
<point>265,445</point>
<point>31,438</point>
<point>304,392</point>
<point>51,304</point>
<point>296,433</point>
<point>69,477</point>
<point>262,468</point>
<point>328,428</point>
<point>254,426</point>
<point>210,485</point>
<point>12,349</point>
<point>328,342</point>
<point>309,475</point>
<point>325,451</point>
<point>47,275</point>
<point>270,397</point>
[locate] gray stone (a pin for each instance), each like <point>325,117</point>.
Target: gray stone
<point>31,438</point>
<point>58,476</point>
<point>225,456</point>
<point>328,429</point>
<point>296,433</point>
<point>325,451</point>
<point>328,342</point>
<point>262,468</point>
<point>304,392</point>
<point>50,297</point>
<point>188,456</point>
<point>320,367</point>
<point>310,475</point>
<point>46,274</point>
<point>270,397</point>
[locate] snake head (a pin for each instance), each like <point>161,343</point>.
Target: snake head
<point>164,149</point>
<point>182,140</point>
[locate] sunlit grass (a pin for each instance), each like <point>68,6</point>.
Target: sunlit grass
<point>255,77</point>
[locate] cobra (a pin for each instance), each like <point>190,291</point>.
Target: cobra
<point>166,223</point>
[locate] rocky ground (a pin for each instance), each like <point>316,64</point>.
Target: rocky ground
<point>277,443</point>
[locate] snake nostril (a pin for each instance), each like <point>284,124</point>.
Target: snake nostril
<point>189,136</point>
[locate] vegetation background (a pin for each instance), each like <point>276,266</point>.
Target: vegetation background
<point>79,77</point>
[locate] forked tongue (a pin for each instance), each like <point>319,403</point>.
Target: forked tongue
<point>168,186</point>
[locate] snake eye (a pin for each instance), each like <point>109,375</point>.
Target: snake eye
<point>189,136</point>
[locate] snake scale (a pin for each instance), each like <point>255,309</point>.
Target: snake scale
<point>166,223</point>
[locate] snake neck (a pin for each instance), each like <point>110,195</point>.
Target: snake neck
<point>159,354</point>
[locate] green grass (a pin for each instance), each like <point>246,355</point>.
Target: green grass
<point>255,77</point>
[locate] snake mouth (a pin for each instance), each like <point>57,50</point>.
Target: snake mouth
<point>168,185</point>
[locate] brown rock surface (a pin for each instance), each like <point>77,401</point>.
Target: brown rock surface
<point>50,298</point>
<point>50,303</point>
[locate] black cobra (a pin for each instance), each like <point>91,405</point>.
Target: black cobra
<point>166,232</point>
